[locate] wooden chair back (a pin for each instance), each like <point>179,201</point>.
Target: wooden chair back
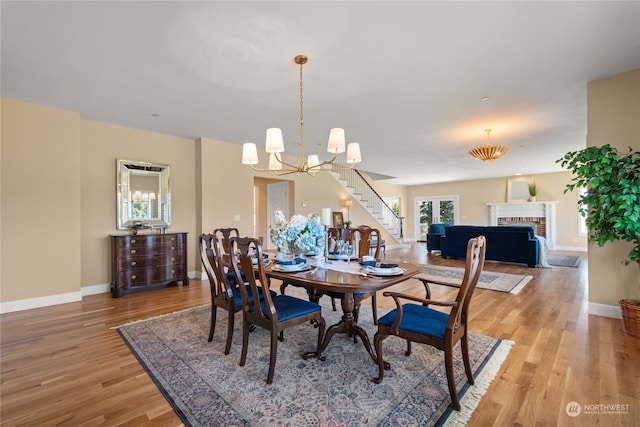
<point>474,263</point>
<point>364,235</point>
<point>211,257</point>
<point>225,235</point>
<point>247,248</point>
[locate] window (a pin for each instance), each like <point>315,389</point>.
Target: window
<point>582,221</point>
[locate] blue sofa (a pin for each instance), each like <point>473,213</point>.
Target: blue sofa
<point>517,244</point>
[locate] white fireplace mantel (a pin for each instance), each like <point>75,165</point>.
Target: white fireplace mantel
<point>546,209</point>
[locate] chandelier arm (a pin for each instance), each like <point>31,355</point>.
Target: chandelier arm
<point>326,162</point>
<point>279,159</point>
<point>287,171</point>
<point>277,172</point>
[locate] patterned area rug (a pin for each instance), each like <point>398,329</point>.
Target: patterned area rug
<point>207,388</point>
<point>452,276</point>
<point>563,260</point>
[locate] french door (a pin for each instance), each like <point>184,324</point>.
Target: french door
<point>434,210</point>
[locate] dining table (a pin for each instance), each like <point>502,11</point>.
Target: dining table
<point>343,279</point>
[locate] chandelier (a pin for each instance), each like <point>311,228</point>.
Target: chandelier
<point>275,146</point>
<point>488,153</point>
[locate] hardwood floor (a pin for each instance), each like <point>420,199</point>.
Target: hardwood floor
<point>63,365</point>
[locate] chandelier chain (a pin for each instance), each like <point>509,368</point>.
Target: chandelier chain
<point>301,114</point>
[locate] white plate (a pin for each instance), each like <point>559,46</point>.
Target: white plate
<point>338,256</point>
<point>254,260</point>
<point>395,271</point>
<point>283,268</point>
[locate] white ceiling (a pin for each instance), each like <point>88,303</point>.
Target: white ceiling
<point>405,79</point>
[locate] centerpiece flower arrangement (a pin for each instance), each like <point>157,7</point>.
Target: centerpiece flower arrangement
<point>301,235</point>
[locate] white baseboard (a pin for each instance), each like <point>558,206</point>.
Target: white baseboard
<point>604,310</point>
<point>26,304</point>
<point>570,248</point>
<point>96,289</point>
<point>49,300</point>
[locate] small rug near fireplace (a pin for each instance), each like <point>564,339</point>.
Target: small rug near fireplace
<point>563,260</point>
<point>494,281</point>
<point>207,388</point>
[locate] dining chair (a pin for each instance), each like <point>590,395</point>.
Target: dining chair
<point>275,312</point>
<point>224,236</point>
<point>363,235</point>
<point>422,324</point>
<point>225,294</point>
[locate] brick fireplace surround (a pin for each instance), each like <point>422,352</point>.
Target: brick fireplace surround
<point>541,215</point>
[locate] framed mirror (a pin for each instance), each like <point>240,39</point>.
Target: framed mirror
<point>143,195</point>
<point>518,190</point>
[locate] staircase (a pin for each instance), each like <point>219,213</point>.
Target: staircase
<point>364,193</point>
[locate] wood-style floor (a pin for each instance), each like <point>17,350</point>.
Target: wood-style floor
<point>63,365</point>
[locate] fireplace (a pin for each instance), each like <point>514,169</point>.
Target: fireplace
<point>540,215</point>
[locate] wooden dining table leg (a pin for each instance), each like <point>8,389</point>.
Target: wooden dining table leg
<point>349,326</point>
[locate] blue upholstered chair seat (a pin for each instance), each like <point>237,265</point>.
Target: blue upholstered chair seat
<point>289,307</point>
<point>418,319</point>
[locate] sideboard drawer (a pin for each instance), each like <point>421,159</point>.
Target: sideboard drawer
<point>145,251</point>
<point>151,276</point>
<point>146,260</point>
<point>129,263</point>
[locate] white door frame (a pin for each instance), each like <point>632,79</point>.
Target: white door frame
<point>436,203</point>
<point>277,200</point>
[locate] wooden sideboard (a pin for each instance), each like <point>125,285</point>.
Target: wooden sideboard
<point>147,259</point>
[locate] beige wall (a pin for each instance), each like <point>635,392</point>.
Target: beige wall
<point>41,201</point>
<point>102,144</point>
<point>474,196</point>
<point>613,109</point>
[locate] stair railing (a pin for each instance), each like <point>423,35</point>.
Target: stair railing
<point>371,199</point>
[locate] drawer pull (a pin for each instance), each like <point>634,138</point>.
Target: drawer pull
<point>173,258</point>
<point>173,248</point>
<point>133,263</point>
<point>173,272</point>
<point>134,277</point>
<point>133,251</point>
<point>133,240</point>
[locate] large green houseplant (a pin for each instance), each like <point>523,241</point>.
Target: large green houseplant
<point>610,204</point>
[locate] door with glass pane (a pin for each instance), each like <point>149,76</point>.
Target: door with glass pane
<point>434,210</point>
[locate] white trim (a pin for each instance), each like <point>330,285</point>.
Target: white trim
<point>604,310</point>
<point>49,300</point>
<point>95,289</point>
<point>571,248</point>
<point>27,304</point>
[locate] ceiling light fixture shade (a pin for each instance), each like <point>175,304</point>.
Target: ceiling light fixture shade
<point>275,145</point>
<point>249,154</point>
<point>488,153</point>
<point>336,141</point>
<point>353,153</point>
